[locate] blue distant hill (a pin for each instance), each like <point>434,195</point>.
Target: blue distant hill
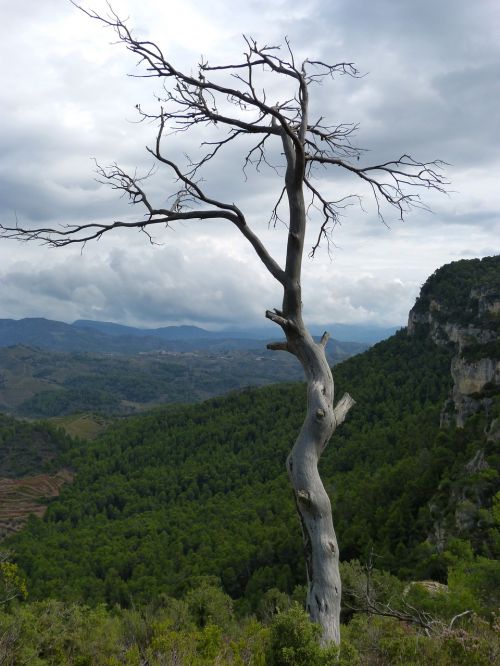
<point>166,332</point>
<point>343,332</point>
<point>108,337</point>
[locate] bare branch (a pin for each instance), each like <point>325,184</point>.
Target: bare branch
<point>367,601</point>
<point>260,159</point>
<point>342,408</point>
<point>79,234</point>
<point>388,181</point>
<point>206,98</point>
<point>331,211</point>
<point>458,616</point>
<point>282,345</point>
<point>274,213</point>
<point>324,339</point>
<point>277,318</point>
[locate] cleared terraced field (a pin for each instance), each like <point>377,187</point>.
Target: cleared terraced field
<point>19,498</point>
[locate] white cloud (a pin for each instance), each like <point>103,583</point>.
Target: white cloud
<point>432,88</point>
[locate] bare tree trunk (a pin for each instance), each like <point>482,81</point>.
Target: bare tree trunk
<point>313,503</point>
<point>311,498</point>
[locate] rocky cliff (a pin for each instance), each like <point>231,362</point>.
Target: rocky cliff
<point>459,307</point>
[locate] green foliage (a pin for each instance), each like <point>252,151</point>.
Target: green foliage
<point>39,384</point>
<point>274,601</point>
<point>29,448</point>
<point>12,583</point>
<point>208,605</point>
<point>294,641</point>
<point>379,641</point>
<point>60,403</point>
<point>201,490</point>
<point>451,287</point>
<point>193,502</point>
<point>479,580</point>
<point>360,582</point>
<point>51,633</point>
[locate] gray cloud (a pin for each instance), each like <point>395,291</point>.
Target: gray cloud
<point>193,281</point>
<point>432,89</point>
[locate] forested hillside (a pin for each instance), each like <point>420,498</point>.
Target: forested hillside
<point>29,448</point>
<point>193,502</point>
<point>453,288</point>
<point>202,490</point>
<point>37,383</point>
<point>29,470</point>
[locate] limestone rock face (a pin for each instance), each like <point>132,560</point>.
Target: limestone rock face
<point>471,378</point>
<point>464,314</point>
<point>459,310</point>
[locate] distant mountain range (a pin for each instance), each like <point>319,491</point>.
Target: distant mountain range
<point>107,337</point>
<point>341,332</point>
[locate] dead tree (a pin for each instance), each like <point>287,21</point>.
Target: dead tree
<point>231,97</point>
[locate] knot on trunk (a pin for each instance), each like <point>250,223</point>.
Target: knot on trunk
<point>304,496</point>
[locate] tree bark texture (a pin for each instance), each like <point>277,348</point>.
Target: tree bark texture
<point>312,501</point>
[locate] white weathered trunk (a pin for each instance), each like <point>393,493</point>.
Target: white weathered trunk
<point>313,503</point>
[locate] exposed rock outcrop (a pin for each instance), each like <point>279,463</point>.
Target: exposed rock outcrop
<point>472,382</point>
<point>461,310</point>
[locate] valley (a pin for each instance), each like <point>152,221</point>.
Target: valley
<point>139,508</point>
<point>43,383</point>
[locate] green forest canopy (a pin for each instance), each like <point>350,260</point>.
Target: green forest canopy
<point>201,490</point>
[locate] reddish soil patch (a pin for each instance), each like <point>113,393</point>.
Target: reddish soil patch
<point>19,498</point>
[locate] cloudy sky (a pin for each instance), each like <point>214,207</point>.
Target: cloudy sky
<point>431,87</point>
